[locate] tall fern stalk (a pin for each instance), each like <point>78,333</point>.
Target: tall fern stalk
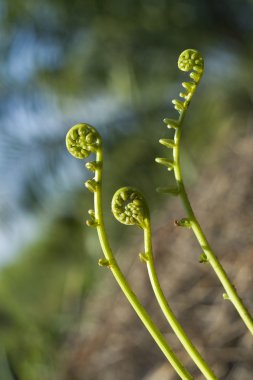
<point>130,208</point>
<point>191,60</point>
<point>81,140</point>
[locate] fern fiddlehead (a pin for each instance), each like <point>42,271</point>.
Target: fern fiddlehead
<point>191,60</point>
<point>81,140</point>
<point>130,207</point>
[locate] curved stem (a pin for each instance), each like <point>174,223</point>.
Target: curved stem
<point>125,287</point>
<point>170,316</point>
<point>211,257</point>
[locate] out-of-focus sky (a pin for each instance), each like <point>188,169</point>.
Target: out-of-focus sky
<point>108,63</point>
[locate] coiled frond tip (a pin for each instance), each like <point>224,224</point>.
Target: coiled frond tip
<point>191,59</point>
<point>129,207</point>
<point>82,139</point>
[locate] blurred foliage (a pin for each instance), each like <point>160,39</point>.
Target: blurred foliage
<point>41,296</point>
<point>59,57</point>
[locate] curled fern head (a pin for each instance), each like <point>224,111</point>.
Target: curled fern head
<point>191,59</point>
<point>82,139</point>
<point>129,207</point>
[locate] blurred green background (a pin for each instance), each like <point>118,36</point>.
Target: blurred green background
<point>112,64</point>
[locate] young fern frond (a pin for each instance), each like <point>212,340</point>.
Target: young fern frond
<point>191,60</point>
<point>81,140</point>
<point>130,207</point>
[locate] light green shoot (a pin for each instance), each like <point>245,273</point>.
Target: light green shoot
<point>81,140</point>
<point>129,207</point>
<point>191,60</point>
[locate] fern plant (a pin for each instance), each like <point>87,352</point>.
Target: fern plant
<point>130,207</point>
<point>191,60</point>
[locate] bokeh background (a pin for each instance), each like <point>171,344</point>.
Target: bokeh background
<point>113,64</point>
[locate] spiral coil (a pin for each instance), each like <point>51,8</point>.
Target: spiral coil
<point>129,207</point>
<point>82,139</point>
<point>189,60</point>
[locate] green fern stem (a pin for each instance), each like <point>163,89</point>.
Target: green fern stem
<point>210,255</point>
<point>130,208</point>
<point>170,316</point>
<point>191,61</point>
<point>125,287</point>
<point>81,140</point>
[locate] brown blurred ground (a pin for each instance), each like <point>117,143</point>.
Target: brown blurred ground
<point>112,344</point>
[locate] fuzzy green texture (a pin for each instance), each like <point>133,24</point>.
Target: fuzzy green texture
<point>129,207</point>
<point>82,139</point>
